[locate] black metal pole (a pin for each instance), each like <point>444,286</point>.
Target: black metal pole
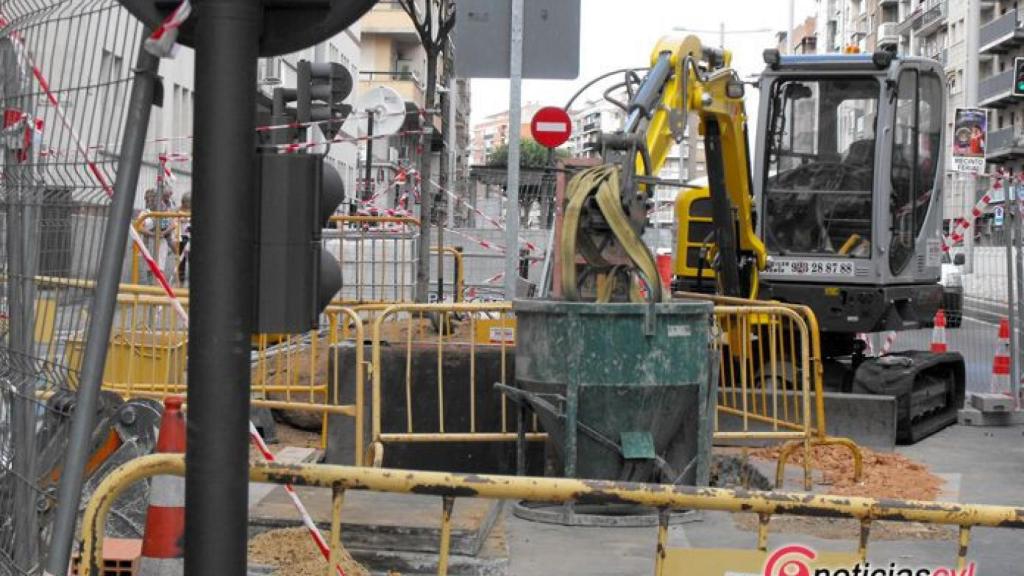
<point>367,193</point>
<point>227,34</point>
<point>69,491</point>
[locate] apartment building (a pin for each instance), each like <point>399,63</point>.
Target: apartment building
<point>492,132</point>
<point>1001,40</point>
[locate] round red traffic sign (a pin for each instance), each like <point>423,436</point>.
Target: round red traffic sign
<point>551,127</point>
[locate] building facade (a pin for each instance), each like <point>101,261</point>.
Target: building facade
<point>492,132</point>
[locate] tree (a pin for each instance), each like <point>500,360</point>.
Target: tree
<point>531,155</point>
<point>433,25</point>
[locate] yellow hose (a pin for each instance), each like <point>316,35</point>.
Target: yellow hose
<point>602,182</point>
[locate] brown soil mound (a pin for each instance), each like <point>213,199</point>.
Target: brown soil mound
<point>293,553</point>
<point>886,475</point>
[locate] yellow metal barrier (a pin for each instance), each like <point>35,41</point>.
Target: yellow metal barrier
<point>769,353</point>
<point>156,244</point>
<point>147,358</point>
<point>664,497</point>
<point>377,256</point>
<point>764,376</point>
<point>432,325</point>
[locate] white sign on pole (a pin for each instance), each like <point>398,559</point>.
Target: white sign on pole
<point>998,215</point>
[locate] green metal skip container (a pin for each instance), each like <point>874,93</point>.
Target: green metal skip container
<point>624,391</point>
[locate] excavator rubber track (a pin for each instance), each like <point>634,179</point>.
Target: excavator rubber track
<point>929,389</point>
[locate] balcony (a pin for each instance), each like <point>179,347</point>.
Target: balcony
<point>887,3</point>
<point>1005,144</point>
<point>927,18</point>
<point>1001,34</point>
<point>888,34</point>
<point>405,83</point>
<point>388,18</point>
<point>940,56</point>
<point>994,91</point>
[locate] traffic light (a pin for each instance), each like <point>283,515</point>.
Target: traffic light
<point>321,89</point>
<point>297,194</point>
<point>1018,76</point>
<point>296,278</point>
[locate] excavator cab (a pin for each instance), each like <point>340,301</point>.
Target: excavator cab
<point>848,180</point>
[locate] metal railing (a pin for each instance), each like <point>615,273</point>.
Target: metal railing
<point>163,234</point>
<point>771,376</point>
<point>770,380</point>
<point>1006,141</point>
<point>556,490</point>
<point>385,75</point>
<point>377,256</point>
<point>441,327</point>
<point>999,30</point>
<point>995,87</point>
<point>147,356</point>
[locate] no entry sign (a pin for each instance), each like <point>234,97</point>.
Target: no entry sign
<point>551,127</point>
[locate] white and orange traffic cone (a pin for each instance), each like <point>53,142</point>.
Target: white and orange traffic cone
<point>163,551</point>
<point>939,333</point>
<point>1001,360</point>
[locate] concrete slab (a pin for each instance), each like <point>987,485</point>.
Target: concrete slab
<point>991,402</point>
<point>971,416</point>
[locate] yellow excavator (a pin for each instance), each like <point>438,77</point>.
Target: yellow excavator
<point>840,212</point>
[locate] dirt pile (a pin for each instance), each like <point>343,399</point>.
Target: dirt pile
<point>886,474</point>
<point>292,552</point>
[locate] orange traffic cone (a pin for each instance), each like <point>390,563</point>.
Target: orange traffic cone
<point>664,262</point>
<point>939,333</point>
<point>1001,360</point>
<point>163,549</point>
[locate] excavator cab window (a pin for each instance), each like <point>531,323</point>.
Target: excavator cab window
<point>820,166</point>
<point>916,133</point>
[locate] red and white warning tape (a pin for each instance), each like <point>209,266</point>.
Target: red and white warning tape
<point>890,340</point>
<point>459,200</point>
<point>297,146</point>
<point>162,43</point>
<point>963,224</point>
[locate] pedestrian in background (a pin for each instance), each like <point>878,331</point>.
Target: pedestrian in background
<point>186,235</point>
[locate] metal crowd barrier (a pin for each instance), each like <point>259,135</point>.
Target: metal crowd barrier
<point>377,256</point>
<point>159,245</point>
<point>442,327</point>
<point>771,352</point>
<point>147,356</point>
<point>556,490</point>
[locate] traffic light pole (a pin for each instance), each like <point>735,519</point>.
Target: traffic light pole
<point>227,34</point>
<point>367,191</point>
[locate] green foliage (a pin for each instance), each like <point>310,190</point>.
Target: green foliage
<point>531,155</point>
